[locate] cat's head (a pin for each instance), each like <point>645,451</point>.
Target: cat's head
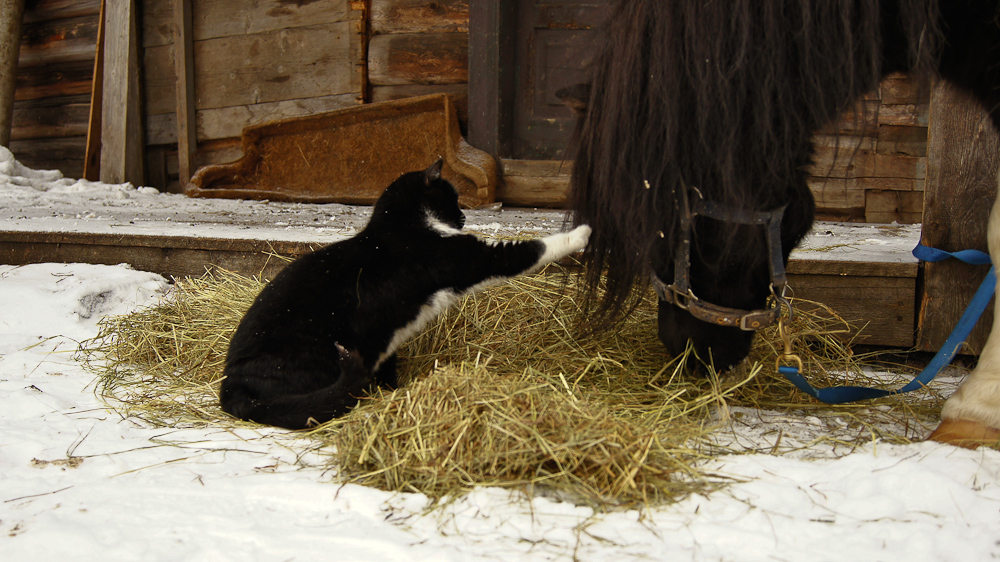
<point>426,193</point>
<point>440,198</point>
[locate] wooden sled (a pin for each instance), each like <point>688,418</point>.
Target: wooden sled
<point>351,155</point>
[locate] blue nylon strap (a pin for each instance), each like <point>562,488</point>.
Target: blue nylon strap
<point>843,394</point>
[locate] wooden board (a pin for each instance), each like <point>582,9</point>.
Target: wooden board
<point>171,256</point>
<point>56,41</point>
<point>534,183</point>
<point>963,159</point>
<point>232,18</point>
<point>229,122</point>
<point>122,140</point>
<point>419,16</point>
<point>264,67</point>
<point>418,58</point>
<point>187,142</point>
<point>877,298</point>
<point>55,117</point>
<point>64,154</point>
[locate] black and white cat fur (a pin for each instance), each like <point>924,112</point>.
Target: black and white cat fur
<point>328,326</point>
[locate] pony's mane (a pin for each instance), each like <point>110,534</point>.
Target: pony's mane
<point>724,96</point>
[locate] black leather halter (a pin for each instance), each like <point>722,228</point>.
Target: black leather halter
<point>680,294</point>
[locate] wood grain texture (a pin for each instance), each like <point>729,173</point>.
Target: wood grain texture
<point>187,141</point>
<point>418,58</point>
<point>263,67</point>
<point>962,162</point>
<point>229,122</point>
<point>213,19</point>
<point>121,123</point>
<point>420,16</point>
<point>54,41</point>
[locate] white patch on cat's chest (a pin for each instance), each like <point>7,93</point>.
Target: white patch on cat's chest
<point>438,303</point>
<point>439,226</point>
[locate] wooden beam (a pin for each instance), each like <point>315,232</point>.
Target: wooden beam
<point>121,129</point>
<point>10,47</point>
<point>92,156</point>
<point>491,79</point>
<point>187,141</point>
<point>962,162</point>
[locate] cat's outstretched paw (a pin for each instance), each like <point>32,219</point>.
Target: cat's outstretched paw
<point>563,244</point>
<point>578,237</point>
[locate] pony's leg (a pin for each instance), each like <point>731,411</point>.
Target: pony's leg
<point>971,416</point>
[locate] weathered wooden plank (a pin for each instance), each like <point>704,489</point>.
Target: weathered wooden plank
<point>420,16</point>
<point>908,141</point>
<point>64,154</point>
<point>459,94</point>
<point>905,89</point>
<point>837,194</point>
<point>187,141</point>
<point>64,116</point>
<point>882,307</point>
<point>843,157</point>
<point>260,68</point>
<point>962,163</point>
<point>904,207</point>
<point>95,122</point>
<point>229,122</point>
<point>841,268</point>
<point>121,121</point>
<point>65,40</point>
<point>44,10</point>
<point>418,58</point>
<point>174,256</point>
<point>10,43</point>
<point>534,183</point>
<point>908,115</point>
<point>213,19</point>
<point>491,78</point>
<point>57,79</point>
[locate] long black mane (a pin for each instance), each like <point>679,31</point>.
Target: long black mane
<point>722,96</point>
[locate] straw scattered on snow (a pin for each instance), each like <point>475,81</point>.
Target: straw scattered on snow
<point>515,396</point>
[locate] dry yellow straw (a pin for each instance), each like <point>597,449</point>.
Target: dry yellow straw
<point>502,390</point>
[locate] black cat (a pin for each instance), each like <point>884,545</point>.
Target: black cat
<point>329,324</point>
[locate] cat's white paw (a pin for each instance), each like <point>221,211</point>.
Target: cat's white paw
<point>563,244</point>
<point>579,236</point>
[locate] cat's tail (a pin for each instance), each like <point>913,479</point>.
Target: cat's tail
<point>301,411</point>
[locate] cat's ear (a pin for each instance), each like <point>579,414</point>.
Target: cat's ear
<point>434,172</point>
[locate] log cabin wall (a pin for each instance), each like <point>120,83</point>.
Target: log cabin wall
<point>54,77</point>
<point>418,48</point>
<point>871,165</point>
<point>256,61</point>
<point>253,62</point>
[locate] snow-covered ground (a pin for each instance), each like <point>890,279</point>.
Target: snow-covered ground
<point>79,482</point>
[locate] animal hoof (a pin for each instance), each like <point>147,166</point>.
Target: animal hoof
<point>966,433</point>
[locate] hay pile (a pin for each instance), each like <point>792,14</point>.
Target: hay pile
<point>515,397</point>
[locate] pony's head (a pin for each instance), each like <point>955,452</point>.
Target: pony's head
<point>716,102</point>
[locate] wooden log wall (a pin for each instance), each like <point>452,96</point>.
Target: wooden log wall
<point>419,47</point>
<point>871,165</point>
<point>256,61</point>
<point>52,95</point>
<point>253,62</point>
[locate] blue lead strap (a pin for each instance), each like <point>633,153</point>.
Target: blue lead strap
<point>843,394</point>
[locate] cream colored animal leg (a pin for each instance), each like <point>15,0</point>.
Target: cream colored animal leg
<point>971,416</point>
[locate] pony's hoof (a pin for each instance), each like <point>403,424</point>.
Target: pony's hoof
<point>966,433</point>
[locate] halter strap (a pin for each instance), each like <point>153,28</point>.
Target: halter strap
<point>680,294</point>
